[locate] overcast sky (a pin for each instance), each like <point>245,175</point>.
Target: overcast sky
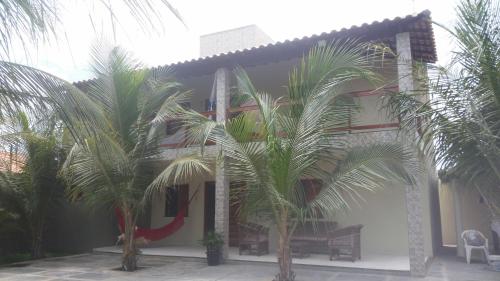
<point>69,56</point>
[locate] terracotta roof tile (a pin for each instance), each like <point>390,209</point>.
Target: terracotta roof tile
<point>419,26</point>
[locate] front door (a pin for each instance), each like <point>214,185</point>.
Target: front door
<point>209,220</point>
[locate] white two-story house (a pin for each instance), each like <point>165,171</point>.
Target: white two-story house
<point>400,224</point>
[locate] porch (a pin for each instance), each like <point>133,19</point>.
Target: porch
<point>384,235</point>
<point>391,264</point>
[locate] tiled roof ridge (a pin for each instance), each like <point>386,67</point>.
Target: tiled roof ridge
<point>423,14</point>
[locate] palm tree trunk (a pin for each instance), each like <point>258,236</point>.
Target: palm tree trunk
<point>284,253</point>
<point>36,241</point>
<point>36,246</point>
<point>129,258</point>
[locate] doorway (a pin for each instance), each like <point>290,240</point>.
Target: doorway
<point>209,219</point>
<point>209,215</point>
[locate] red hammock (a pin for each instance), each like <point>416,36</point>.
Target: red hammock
<point>154,234</point>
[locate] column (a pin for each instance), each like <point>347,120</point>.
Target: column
<point>413,193</point>
<point>222,77</point>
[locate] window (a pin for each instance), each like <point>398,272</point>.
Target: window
<point>177,197</point>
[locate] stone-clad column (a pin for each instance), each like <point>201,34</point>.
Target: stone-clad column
<point>413,193</point>
<point>222,77</point>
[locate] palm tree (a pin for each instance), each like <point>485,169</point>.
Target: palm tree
<point>26,89</point>
<point>114,167</point>
<point>28,181</point>
<point>296,137</point>
<point>460,125</point>
<point>23,88</point>
<point>26,22</point>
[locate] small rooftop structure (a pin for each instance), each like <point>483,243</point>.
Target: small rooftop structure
<point>237,39</point>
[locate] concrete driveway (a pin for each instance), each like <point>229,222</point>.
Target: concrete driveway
<point>93,267</point>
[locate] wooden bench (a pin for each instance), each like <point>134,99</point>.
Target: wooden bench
<point>315,235</point>
<point>346,242</point>
<point>253,238</point>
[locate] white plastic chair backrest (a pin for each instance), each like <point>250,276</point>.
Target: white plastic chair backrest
<point>495,226</point>
<point>470,233</point>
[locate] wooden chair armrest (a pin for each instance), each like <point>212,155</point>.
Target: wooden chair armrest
<point>253,227</point>
<point>346,231</point>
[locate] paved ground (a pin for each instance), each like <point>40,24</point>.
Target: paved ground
<point>95,267</point>
<point>370,260</point>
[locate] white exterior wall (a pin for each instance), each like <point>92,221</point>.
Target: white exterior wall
<point>382,213</point>
<point>448,229</point>
<point>201,89</point>
<point>383,216</point>
<point>470,213</point>
<point>192,230</point>
<point>271,78</point>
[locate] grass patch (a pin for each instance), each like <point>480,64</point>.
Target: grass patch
<point>12,258</point>
<point>20,257</point>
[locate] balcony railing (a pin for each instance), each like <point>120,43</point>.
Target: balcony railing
<point>179,138</point>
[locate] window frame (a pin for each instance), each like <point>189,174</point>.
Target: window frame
<point>182,194</point>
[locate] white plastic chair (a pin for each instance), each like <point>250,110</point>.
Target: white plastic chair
<point>471,234</point>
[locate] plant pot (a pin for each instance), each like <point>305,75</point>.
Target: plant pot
<point>213,255</point>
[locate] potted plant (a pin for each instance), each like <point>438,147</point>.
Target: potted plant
<point>213,241</point>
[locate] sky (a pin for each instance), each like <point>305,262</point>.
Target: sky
<point>69,56</point>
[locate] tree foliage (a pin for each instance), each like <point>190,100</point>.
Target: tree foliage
<point>29,187</point>
<point>25,24</point>
<point>460,124</point>
<point>29,23</point>
<point>114,167</point>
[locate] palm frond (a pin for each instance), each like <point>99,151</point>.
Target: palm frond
<point>327,67</point>
<point>365,168</point>
<point>27,23</point>
<point>459,126</point>
<point>40,93</point>
<point>179,171</point>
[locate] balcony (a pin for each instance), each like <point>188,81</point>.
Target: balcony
<point>176,136</point>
